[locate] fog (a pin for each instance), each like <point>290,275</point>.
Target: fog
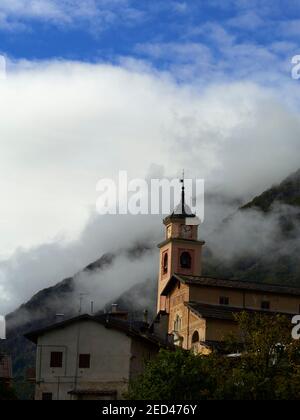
<point>65,125</point>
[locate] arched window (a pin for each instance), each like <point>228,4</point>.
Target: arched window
<point>165,263</point>
<point>177,323</point>
<point>185,260</point>
<point>195,337</point>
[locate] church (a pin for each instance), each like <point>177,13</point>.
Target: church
<point>196,311</point>
<point>94,357</point>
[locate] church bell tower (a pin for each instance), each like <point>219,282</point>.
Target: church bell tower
<point>181,251</point>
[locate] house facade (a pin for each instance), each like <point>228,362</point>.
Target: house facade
<point>5,370</point>
<point>90,358</point>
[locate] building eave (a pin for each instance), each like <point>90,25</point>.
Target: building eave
<point>106,321</point>
<point>238,285</point>
<point>226,313</point>
<point>180,240</point>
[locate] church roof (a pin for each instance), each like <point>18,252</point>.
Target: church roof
<point>230,284</point>
<point>182,210</point>
<point>223,312</point>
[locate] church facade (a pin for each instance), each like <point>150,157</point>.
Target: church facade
<point>198,311</point>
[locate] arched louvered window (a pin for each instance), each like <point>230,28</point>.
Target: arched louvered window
<point>165,263</point>
<point>185,260</point>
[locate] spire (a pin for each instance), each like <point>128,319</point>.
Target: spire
<point>182,194</point>
<point>185,210</point>
<point>182,210</point>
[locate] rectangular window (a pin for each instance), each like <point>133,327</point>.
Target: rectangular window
<point>224,300</point>
<point>56,359</point>
<point>265,305</point>
<point>47,396</point>
<point>84,361</point>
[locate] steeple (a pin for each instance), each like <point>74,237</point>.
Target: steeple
<point>181,251</point>
<point>182,194</point>
<point>182,210</point>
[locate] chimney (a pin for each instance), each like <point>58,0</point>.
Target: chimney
<point>116,313</point>
<point>146,316</point>
<point>114,308</point>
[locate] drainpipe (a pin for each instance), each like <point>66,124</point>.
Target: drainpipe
<point>77,356</point>
<point>188,328</point>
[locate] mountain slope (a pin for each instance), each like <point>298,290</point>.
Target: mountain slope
<point>276,262</point>
<point>288,192</point>
<point>274,255</point>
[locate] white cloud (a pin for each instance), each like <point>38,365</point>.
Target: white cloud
<point>96,14</point>
<point>184,52</point>
<point>290,28</point>
<point>248,20</point>
<point>212,31</point>
<point>29,271</point>
<point>65,125</point>
<point>180,7</point>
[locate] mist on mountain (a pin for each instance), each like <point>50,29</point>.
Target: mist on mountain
<point>257,241</point>
<point>261,240</point>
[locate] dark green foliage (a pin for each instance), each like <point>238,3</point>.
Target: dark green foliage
<point>23,389</point>
<point>175,375</point>
<point>268,367</point>
<point>288,192</point>
<point>6,393</point>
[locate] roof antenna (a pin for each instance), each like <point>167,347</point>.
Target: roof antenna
<point>81,296</point>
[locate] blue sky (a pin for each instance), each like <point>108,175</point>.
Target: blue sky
<point>236,38</point>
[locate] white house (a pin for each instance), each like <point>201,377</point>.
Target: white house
<point>90,357</point>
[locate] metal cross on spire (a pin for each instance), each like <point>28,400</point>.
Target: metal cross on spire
<point>182,194</point>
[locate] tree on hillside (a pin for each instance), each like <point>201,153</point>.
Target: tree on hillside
<point>267,366</point>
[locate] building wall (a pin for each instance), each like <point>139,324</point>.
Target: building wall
<point>245,299</point>
<point>217,330</point>
<point>195,249</point>
<point>196,325</point>
<point>5,370</point>
<point>189,321</point>
<point>141,353</point>
<point>213,329</point>
<point>110,352</point>
<point>174,302</point>
<point>160,327</point>
<point>176,307</point>
<point>163,278</point>
<point>174,248</point>
<point>174,229</point>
